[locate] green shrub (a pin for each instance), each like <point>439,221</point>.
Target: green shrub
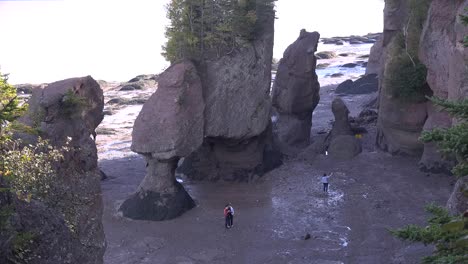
<point>72,104</point>
<point>405,75</point>
<point>448,233</point>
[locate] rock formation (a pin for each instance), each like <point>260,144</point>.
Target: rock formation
<point>441,51</point>
<point>400,121</point>
<point>296,92</point>
<point>375,58</point>
<point>342,143</point>
<point>52,240</point>
<point>446,60</point>
<point>169,126</point>
<point>72,109</point>
<point>364,85</point>
<point>236,88</point>
<point>458,201</point>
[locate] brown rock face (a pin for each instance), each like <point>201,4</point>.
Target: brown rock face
<point>72,108</point>
<point>236,88</point>
<point>446,60</point>
<point>341,142</point>
<point>458,201</point>
<point>296,92</point>
<point>171,121</point>
<point>375,58</point>
<point>399,122</point>
<point>169,126</point>
<point>341,125</point>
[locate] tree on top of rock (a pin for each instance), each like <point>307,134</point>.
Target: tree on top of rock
<point>212,27</point>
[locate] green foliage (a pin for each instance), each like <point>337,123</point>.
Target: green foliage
<point>199,27</point>
<point>30,170</point>
<point>72,104</point>
<point>405,75</point>
<point>10,108</point>
<point>418,10</point>
<point>21,247</point>
<point>453,140</point>
<point>449,233</point>
<point>464,19</point>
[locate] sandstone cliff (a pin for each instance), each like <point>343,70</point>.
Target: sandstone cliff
<point>236,91</point>
<point>440,50</point>
<point>401,119</point>
<point>446,59</point>
<point>296,92</point>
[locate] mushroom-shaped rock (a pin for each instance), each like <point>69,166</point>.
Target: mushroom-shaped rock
<point>296,92</point>
<point>169,126</point>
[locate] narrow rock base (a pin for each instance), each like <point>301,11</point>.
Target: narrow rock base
<point>155,206</point>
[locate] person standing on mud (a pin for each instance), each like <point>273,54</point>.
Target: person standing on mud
<point>325,182</point>
<point>227,216</point>
<point>231,215</point>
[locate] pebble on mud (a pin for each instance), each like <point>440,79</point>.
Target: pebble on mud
<point>306,237</point>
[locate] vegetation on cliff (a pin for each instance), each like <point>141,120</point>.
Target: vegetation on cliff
<point>201,27</point>
<point>448,233</point>
<point>26,172</point>
<point>405,75</point>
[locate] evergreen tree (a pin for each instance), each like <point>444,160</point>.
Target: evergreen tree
<point>202,28</point>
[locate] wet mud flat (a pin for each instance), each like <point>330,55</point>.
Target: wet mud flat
<point>368,195</point>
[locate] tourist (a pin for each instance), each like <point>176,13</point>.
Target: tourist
<point>231,215</point>
<point>227,216</point>
<point>325,182</point>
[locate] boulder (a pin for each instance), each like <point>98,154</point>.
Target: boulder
<point>130,87</point>
<point>323,65</point>
<point>64,110</point>
<point>364,85</point>
<point>296,91</point>
<point>349,65</point>
<point>337,75</point>
<point>325,55</point>
<point>144,77</point>
<point>176,131</point>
